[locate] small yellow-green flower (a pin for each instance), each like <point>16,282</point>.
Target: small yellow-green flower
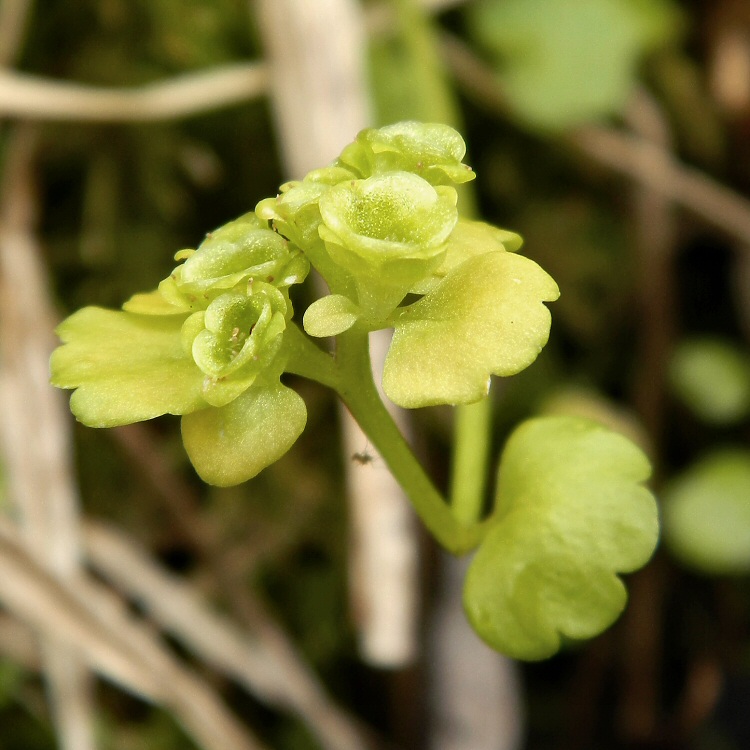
<point>209,345</point>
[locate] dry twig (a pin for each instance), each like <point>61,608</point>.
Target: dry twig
<point>88,618</point>
<point>269,666</point>
<point>35,428</point>
<point>34,98</point>
<point>320,99</point>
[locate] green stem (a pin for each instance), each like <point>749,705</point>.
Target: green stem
<point>436,102</point>
<point>360,395</point>
<point>308,360</point>
<point>470,455</point>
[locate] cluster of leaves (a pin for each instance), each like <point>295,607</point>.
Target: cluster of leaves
<point>381,226</point>
<point>707,506</point>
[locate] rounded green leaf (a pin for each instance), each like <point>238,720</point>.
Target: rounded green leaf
<point>571,513</point>
<point>233,443</point>
<point>707,514</point>
<point>713,378</point>
<point>485,318</point>
<point>330,316</point>
<point>562,63</point>
<point>125,367</point>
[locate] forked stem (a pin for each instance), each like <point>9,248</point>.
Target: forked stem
<point>361,397</point>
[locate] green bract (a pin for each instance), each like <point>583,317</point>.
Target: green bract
<point>244,249</point>
<point>571,513</point>
<point>484,318</point>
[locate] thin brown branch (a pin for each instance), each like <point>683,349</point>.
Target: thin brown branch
<point>655,226</point>
<point>14,16</point>
<point>179,609</point>
<point>654,168</point>
<point>32,594</point>
<point>34,98</point>
<point>35,431</point>
<point>88,618</point>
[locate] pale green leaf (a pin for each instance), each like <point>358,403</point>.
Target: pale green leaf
<point>125,367</point>
<point>330,316</point>
<point>153,303</point>
<point>486,317</point>
<point>233,443</point>
<point>571,514</point>
<point>561,63</point>
<point>713,378</point>
<point>707,514</point>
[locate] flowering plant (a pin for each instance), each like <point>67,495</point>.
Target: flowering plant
<point>381,226</point>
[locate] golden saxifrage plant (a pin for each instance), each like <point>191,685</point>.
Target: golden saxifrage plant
<point>381,225</point>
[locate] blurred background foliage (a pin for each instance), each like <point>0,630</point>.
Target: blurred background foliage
<point>651,334</point>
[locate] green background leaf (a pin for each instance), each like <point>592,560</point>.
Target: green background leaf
<point>561,63</point>
<point>571,514</point>
<point>707,514</point>
<point>713,378</point>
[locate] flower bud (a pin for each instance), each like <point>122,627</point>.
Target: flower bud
<point>388,232</point>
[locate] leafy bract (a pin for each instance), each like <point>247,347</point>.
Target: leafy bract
<point>561,63</point>
<point>125,367</point>
<point>713,378</point>
<point>707,514</point>
<point>571,513</point>
<point>486,317</point>
<point>330,316</point>
<point>240,252</point>
<point>153,303</point>
<point>233,443</point>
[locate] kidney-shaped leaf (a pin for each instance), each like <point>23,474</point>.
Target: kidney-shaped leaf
<point>484,318</point>
<point>572,513</point>
<point>707,514</point>
<point>713,378</point>
<point>562,63</point>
